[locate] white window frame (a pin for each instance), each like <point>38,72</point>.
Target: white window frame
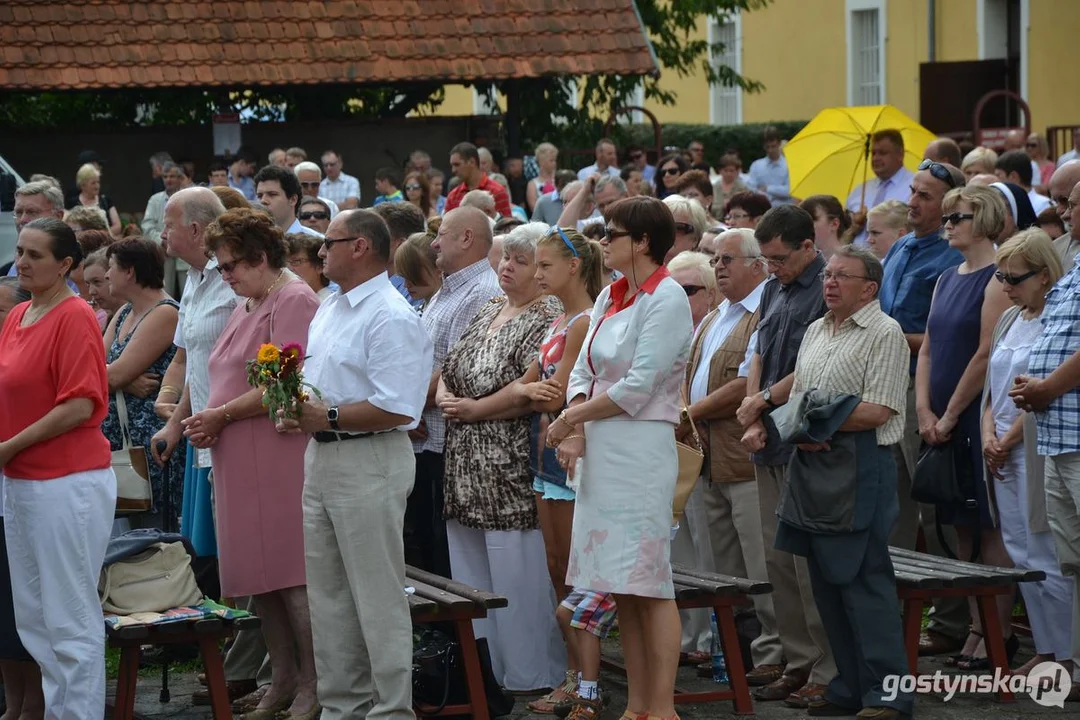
<point>482,106</point>
<point>851,7</point>
<point>984,33</point>
<point>719,94</point>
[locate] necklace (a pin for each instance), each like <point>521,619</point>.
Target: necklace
<point>266,294</point>
<point>32,314</point>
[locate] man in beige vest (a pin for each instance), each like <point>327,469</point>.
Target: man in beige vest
<point>715,385</point>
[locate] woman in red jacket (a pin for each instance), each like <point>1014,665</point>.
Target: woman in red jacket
<point>59,488</point>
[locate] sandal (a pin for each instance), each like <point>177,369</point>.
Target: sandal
<point>1012,644</point>
<point>955,660</point>
<point>546,704</point>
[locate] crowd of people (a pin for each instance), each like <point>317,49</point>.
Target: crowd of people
<point>504,371</point>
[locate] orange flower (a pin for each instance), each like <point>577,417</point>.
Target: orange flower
<point>268,353</point>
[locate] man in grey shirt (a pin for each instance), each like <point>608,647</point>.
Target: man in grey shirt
<point>790,302</point>
<point>550,205</point>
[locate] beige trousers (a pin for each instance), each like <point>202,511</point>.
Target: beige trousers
<point>802,635</point>
<point>1063,514</point>
<point>736,538</point>
<point>354,514</point>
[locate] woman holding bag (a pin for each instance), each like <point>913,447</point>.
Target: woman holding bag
<point>59,487</point>
<point>620,424</point>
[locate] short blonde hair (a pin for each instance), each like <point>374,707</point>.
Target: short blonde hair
<point>698,217</point>
<point>87,218</point>
<point>546,149</point>
<point>987,205</point>
<point>1036,249</point>
<point>694,260</point>
<point>982,156</point>
<point>893,212</point>
<point>86,173</point>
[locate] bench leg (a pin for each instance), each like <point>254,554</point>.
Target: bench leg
<point>125,683</point>
<point>913,608</point>
<point>215,677</point>
<point>729,641</point>
<point>994,639</point>
<point>474,677</point>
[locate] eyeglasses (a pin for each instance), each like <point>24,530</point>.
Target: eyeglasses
<point>732,217</point>
<point>726,260</point>
<point>565,238</point>
<point>1015,279</point>
<point>327,242</point>
<point>610,235</point>
<point>827,275</point>
<point>779,261</point>
<point>684,228</point>
<point>956,218</point>
<point>670,171</point>
<point>692,290</point>
<point>413,186</point>
<point>939,171</point>
<point>312,184</point>
<point>227,267</point>
<point>314,215</point>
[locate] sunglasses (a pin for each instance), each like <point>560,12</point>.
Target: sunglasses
<point>316,215</point>
<point>684,228</point>
<point>692,290</point>
<point>671,171</point>
<point>565,238</point>
<point>1015,279</point>
<point>726,260</point>
<point>938,171</point>
<point>228,267</point>
<point>412,186</point>
<point>610,234</point>
<point>327,242</point>
<point>956,218</point>
<point>313,184</point>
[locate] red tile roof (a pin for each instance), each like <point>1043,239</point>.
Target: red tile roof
<point>82,44</point>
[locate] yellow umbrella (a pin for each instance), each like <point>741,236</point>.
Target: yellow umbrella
<point>831,155</point>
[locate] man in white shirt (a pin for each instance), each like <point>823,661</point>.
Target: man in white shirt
<point>463,243</point>
<point>716,384</point>
<point>607,161</point>
<point>769,175</point>
<point>370,358</point>
<point>1017,140</point>
<point>1015,166</point>
<point>891,181</point>
<point>337,186</point>
<point>279,190</point>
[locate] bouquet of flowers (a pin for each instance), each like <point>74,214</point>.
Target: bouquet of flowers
<point>277,372</point>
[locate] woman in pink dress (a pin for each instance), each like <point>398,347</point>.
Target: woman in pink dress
<point>258,473</point>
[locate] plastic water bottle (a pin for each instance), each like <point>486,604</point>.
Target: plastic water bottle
<point>719,665</point>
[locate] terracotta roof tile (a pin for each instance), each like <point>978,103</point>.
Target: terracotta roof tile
<point>80,44</point>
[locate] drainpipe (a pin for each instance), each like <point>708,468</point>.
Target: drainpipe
<point>931,32</point>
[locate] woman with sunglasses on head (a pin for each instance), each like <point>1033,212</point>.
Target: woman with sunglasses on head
<point>258,473</point>
<point>418,192</point>
<point>691,220</point>
<point>1027,267</point>
<point>617,440</point>
<point>668,171</point>
<point>950,373</point>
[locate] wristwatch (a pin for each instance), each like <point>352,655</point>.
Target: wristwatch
<point>332,417</point>
<point>766,395</point>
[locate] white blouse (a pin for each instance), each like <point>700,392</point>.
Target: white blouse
<point>638,355</point>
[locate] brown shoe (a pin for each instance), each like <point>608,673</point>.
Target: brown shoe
<point>880,713</point>
<point>764,674</point>
<point>782,688</point>
<point>236,689</point>
<point>934,643</point>
<point>805,696</point>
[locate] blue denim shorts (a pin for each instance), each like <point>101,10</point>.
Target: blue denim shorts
<point>552,491</point>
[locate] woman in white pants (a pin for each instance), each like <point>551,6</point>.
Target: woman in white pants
<point>59,489</point>
<point>1028,266</point>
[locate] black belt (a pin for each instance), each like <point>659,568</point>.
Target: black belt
<point>329,436</point>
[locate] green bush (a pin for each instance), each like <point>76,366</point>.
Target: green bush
<point>717,139</point>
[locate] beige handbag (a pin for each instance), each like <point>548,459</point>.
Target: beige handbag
<point>155,580</point>
<point>133,493</point>
<point>691,459</point>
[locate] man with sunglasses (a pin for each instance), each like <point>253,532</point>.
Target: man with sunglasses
<point>310,177</point>
<point>1062,184</point>
<point>315,214</point>
<point>912,268</point>
<point>790,302</point>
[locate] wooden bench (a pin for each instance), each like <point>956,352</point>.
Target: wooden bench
<point>206,633</point>
<point>438,599</point>
<point>721,594</point>
<point>921,577</point>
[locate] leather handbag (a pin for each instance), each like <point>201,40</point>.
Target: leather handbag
<point>691,458</point>
<point>154,580</point>
<point>439,676</point>
<point>945,477</point>
<point>133,492</point>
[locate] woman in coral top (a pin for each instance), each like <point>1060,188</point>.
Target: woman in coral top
<point>59,488</point>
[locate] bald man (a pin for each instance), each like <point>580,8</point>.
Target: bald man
<point>1016,139</point>
<point>1065,187</point>
<point>944,150</point>
<point>462,245</point>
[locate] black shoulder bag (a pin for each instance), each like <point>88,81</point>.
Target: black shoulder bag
<point>945,477</point>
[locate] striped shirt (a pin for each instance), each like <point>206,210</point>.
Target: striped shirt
<point>205,308</point>
<point>867,356</point>
<point>1059,425</point>
<point>340,190</point>
<point>446,316</point>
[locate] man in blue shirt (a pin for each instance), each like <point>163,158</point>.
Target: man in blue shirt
<point>769,175</point>
<point>912,268</point>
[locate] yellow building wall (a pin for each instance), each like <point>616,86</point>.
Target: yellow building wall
<point>1052,43</point>
<point>906,45</point>
<point>692,91</point>
<point>957,31</point>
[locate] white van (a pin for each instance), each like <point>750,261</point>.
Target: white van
<point>9,182</point>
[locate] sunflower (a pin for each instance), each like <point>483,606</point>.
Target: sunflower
<point>268,353</point>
